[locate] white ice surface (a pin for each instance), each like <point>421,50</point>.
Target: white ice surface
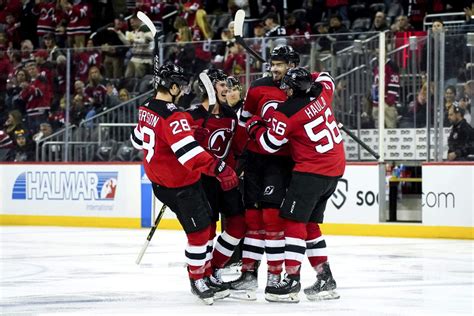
<point>87,271</point>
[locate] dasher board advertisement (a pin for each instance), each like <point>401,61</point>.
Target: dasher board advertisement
<point>448,190</point>
<point>355,200</point>
<point>111,190</point>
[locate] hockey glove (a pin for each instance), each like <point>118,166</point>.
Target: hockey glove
<point>200,133</point>
<point>253,125</point>
<point>225,175</point>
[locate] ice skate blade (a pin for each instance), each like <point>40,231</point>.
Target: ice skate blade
<point>207,301</point>
<point>322,296</point>
<point>286,298</point>
<point>221,295</point>
<point>245,295</point>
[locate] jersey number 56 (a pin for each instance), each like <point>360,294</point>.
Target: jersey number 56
<point>330,132</point>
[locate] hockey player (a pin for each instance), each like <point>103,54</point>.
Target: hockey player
<point>174,162</point>
<point>266,178</point>
<point>306,123</point>
<point>214,127</point>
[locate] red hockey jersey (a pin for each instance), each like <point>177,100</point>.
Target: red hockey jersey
<point>46,18</point>
<point>308,125</point>
<point>172,157</point>
<point>221,131</point>
<point>263,97</point>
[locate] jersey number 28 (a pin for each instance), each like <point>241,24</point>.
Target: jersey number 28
<point>330,133</point>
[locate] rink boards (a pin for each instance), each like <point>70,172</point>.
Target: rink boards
<point>119,195</point>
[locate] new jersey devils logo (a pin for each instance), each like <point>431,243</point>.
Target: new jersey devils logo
<point>268,108</point>
<point>219,142</point>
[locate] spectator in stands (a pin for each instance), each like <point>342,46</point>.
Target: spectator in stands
<point>202,33</point>
<point>37,95</point>
<point>274,29</point>
<point>45,130</point>
<point>13,123</point>
<point>25,148</point>
<point>46,23</point>
<point>392,90</point>
<point>258,35</point>
<point>7,147</point>
<point>141,40</point>
<point>184,31</point>
<point>26,51</point>
<point>124,95</point>
<point>337,27</point>
<point>324,43</point>
<point>113,53</point>
<point>57,117</point>
<point>401,24</point>
<point>415,116</point>
<point>380,22</point>
<point>14,84</point>
<point>222,48</point>
<point>45,67</point>
<point>449,99</point>
<point>78,28</point>
<point>460,139</point>
<point>299,32</point>
<point>54,51</point>
<point>95,91</point>
<point>190,7</point>
<point>235,61</point>
<point>86,59</point>
<point>78,104</point>
<point>12,30</point>
<point>111,96</point>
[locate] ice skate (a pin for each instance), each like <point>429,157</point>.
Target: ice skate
<point>272,280</point>
<point>245,286</point>
<point>202,291</point>
<point>217,285</point>
<point>324,287</point>
<point>284,292</point>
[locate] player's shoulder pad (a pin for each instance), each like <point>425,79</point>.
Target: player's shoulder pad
<point>292,106</point>
<point>263,82</point>
<point>197,111</point>
<point>227,111</point>
<point>162,108</point>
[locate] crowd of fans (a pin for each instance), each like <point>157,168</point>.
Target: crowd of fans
<point>112,49</point>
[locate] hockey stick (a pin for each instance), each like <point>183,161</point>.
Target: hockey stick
<point>150,234</point>
<point>211,95</point>
<point>359,141</point>
<point>238,34</point>
<point>156,37</point>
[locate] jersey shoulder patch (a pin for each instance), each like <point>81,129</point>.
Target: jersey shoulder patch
<point>162,108</point>
<point>197,112</point>
<point>292,106</point>
<point>263,82</point>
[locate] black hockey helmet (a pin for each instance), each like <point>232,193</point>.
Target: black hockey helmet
<point>169,74</point>
<point>298,79</point>
<point>295,58</point>
<point>285,53</point>
<point>232,82</point>
<point>214,75</point>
